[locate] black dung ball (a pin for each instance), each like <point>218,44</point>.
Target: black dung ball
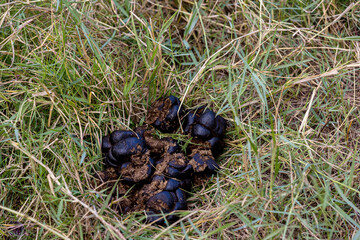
<point>165,114</point>
<point>205,126</point>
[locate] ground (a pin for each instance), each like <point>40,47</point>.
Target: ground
<point>284,74</point>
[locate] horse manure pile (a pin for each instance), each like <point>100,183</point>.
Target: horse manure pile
<point>153,174</point>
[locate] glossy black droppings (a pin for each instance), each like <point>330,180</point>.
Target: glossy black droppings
<point>152,217</point>
<point>162,201</point>
<point>205,127</point>
<point>166,201</point>
<point>204,163</point>
<point>151,161</point>
<point>177,164</point>
<point>180,194</point>
<point>173,149</point>
<point>180,206</point>
<point>212,165</point>
<point>214,142</point>
<point>207,119</point>
<point>157,123</point>
<point>152,169</point>
<point>128,147</point>
<point>149,171</point>
<point>188,169</point>
<point>125,165</point>
<point>173,112</point>
<point>165,114</point>
<point>158,178</point>
<point>191,118</point>
<point>105,144</point>
<point>201,131</point>
<point>174,100</point>
<point>119,135</point>
<point>173,172</point>
<point>199,159</point>
<point>110,160</point>
<point>216,145</point>
<point>220,126</point>
<point>172,185</point>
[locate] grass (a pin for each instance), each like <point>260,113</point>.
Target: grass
<point>285,74</point>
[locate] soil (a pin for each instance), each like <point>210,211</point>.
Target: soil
<point>157,206</point>
<point>122,188</point>
<point>107,178</point>
<point>200,179</point>
<point>206,154</point>
<point>202,151</point>
<point>199,167</point>
<point>135,172</point>
<point>141,196</point>
<point>124,205</point>
<point>157,145</point>
<point>177,158</point>
<point>108,174</point>
<point>140,158</point>
<point>132,197</point>
<point>198,145</point>
<point>158,110</point>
